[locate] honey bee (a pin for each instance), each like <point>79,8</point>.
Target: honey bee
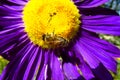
<point>54,41</point>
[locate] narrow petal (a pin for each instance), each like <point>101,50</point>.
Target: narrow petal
<point>33,65</point>
<point>14,8</point>
<point>56,68</point>
<point>93,62</point>
<point>109,48</point>
<point>75,1</point>
<point>23,62</point>
<point>10,55</point>
<point>102,24</point>
<point>84,67</point>
<point>89,3</point>
<point>42,71</point>
<point>10,22</point>
<point>9,31</point>
<point>42,74</point>
<point>9,71</point>
<point>7,27</point>
<point>8,43</point>
<point>100,54</point>
<point>14,2</point>
<point>8,12</point>
<point>97,11</point>
<point>15,5</point>
<point>87,55</point>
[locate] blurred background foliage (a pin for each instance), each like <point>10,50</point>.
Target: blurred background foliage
<point>112,4</point>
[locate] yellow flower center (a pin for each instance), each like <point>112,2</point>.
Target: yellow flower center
<point>51,23</point>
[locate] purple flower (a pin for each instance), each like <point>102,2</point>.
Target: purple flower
<point>82,57</point>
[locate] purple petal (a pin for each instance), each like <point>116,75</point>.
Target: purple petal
<point>84,68</point>
<point>109,48</point>
<point>7,41</point>
<point>8,12</point>
<point>33,65</point>
<point>23,62</point>
<point>8,27</point>
<point>100,54</point>
<point>78,1</point>
<point>92,60</point>
<point>13,29</point>
<point>56,68</point>
<point>21,2</point>
<point>70,71</point>
<point>15,5</point>
<point>42,74</point>
<point>90,3</point>
<point>14,8</point>
<point>97,11</point>
<point>22,41</point>
<point>6,22</point>
<point>102,24</point>
<point>10,71</point>
<point>42,71</point>
<point>14,2</point>
<point>102,73</point>
<point>87,55</point>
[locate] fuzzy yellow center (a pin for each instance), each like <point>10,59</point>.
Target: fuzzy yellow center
<point>51,23</point>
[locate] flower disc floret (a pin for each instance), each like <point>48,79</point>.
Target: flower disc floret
<point>51,23</point>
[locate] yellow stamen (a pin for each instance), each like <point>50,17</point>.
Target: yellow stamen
<point>51,23</point>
